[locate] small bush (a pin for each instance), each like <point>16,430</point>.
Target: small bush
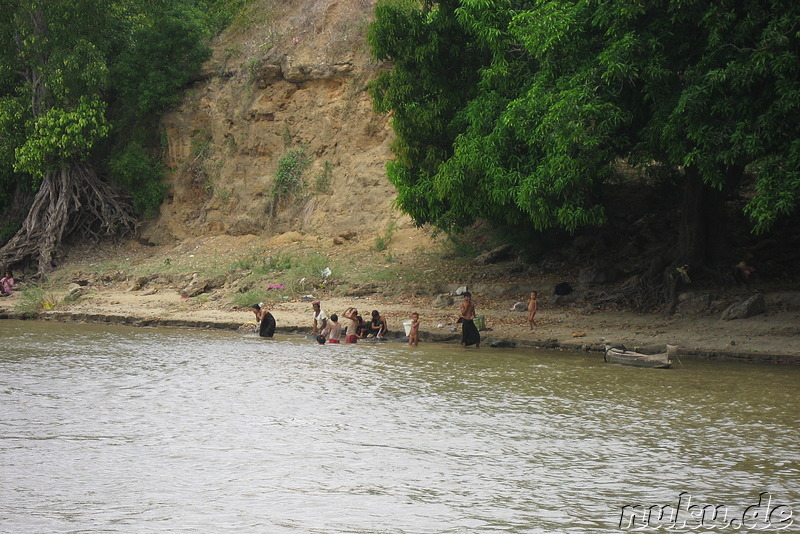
<point>286,135</point>
<point>251,65</point>
<point>289,177</point>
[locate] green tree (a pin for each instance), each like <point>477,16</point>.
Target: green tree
<point>80,79</point>
<point>558,91</point>
<point>434,75</point>
<point>167,45</point>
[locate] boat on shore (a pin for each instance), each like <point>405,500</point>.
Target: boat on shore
<point>622,356</point>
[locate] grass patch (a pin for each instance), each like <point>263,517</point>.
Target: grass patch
<point>306,274</point>
<point>298,275</point>
<point>36,298</point>
<point>223,194</point>
<point>252,296</point>
<point>261,265</point>
<point>382,241</point>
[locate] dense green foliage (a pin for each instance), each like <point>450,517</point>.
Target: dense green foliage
<point>141,173</point>
<point>516,111</point>
<point>86,80</point>
<point>434,76</point>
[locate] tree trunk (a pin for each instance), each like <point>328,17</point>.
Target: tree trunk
<point>702,218</point>
<point>71,200</point>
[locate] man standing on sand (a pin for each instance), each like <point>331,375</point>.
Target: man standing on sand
<point>533,305</point>
<point>469,332</point>
<point>320,319</point>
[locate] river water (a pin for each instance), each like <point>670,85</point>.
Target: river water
<point>115,429</point>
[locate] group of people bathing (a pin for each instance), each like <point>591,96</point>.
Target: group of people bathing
<point>329,329</point>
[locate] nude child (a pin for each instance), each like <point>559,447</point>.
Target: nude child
<point>533,305</point>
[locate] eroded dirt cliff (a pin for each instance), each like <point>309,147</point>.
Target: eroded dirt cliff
<point>289,76</point>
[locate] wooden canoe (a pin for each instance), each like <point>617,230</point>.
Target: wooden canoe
<point>623,356</point>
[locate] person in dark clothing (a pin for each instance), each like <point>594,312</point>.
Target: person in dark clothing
<point>377,326</point>
<point>266,322</point>
<point>362,327</point>
<point>469,332</point>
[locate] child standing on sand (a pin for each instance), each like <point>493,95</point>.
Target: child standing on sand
<point>413,333</point>
<point>533,305</point>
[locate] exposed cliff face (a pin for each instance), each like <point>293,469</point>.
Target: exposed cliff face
<point>294,78</point>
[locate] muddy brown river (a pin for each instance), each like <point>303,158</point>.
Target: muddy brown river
<point>115,429</point>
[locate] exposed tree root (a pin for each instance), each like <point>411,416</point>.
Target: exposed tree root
<point>70,201</point>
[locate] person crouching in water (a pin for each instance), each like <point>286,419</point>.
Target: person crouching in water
<point>361,327</point>
<point>351,314</point>
<point>335,329</point>
<point>469,332</point>
<point>377,326</point>
<point>265,320</point>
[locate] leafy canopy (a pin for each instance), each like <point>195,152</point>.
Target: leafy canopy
<point>515,111</point>
<point>86,80</point>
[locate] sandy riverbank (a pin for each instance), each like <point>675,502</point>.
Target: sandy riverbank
<point>772,337</point>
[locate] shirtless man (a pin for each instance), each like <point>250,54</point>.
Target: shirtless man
<point>469,332</point>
